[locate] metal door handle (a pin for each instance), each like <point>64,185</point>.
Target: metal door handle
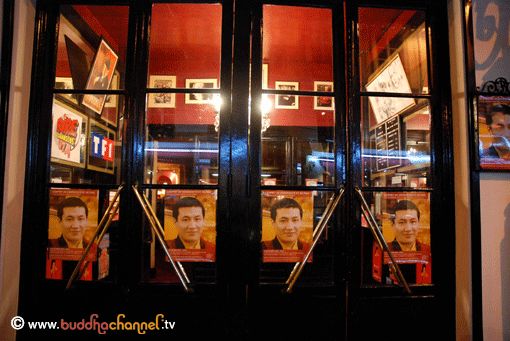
<point>394,268</point>
<point>298,268</point>
<point>158,230</point>
<point>98,230</point>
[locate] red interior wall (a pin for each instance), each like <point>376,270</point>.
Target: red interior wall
<point>297,47</point>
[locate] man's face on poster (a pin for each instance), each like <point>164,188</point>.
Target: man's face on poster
<point>73,223</point>
<point>190,224</point>
<point>500,127</point>
<point>287,224</point>
<point>406,226</point>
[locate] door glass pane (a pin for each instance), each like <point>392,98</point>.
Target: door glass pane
<point>298,150</point>
<point>395,129</point>
<point>297,142</point>
<point>181,144</point>
<point>289,223</point>
<point>392,49</point>
<point>188,220</point>
<point>185,42</point>
<point>86,139</point>
<point>404,219</point>
<point>298,131</point>
<point>297,45</point>
<point>396,152</point>
<point>182,128</point>
<point>396,143</point>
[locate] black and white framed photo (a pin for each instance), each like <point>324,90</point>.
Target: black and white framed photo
<point>287,101</point>
<point>200,98</point>
<point>162,100</point>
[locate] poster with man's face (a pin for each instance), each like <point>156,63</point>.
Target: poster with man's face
<point>406,230</point>
<point>287,225</point>
<point>494,132</point>
<point>190,224</point>
<point>73,220</point>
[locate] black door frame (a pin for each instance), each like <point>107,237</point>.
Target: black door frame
<point>238,251</point>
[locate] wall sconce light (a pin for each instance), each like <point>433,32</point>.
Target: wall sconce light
<point>265,108</point>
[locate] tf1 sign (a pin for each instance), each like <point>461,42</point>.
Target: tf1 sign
<point>102,147</point>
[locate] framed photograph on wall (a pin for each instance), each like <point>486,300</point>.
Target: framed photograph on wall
<point>200,98</point>
<point>162,100</point>
<point>112,100</point>
<point>65,83</point>
<point>265,82</point>
<point>111,105</point>
<point>287,101</point>
<point>493,138</point>
<point>100,76</point>
<point>392,78</point>
<point>323,102</point>
<point>69,131</point>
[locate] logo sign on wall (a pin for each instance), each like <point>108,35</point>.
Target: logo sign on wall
<point>67,128</point>
<point>102,147</point>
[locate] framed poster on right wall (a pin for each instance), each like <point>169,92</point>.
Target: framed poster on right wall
<point>492,129</point>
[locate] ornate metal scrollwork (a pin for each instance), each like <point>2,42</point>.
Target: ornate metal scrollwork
<point>500,86</point>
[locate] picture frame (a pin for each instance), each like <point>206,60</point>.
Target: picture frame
<point>492,145</point>
<point>287,101</point>
<point>69,131</point>
<point>392,78</point>
<point>200,98</point>
<point>111,106</point>
<point>100,75</point>
<point>111,101</point>
<point>65,83</point>
<point>60,174</point>
<point>101,147</point>
<point>265,79</point>
<point>162,100</point>
<point>322,102</point>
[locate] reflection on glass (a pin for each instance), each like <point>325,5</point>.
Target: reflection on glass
<point>404,219</point>
<point>185,42</point>
<point>396,152</point>
<point>299,212</point>
<point>297,148</point>
<point>181,144</point>
<point>393,54</point>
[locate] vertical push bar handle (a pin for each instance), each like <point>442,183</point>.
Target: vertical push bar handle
<point>152,220</point>
<point>380,240</point>
<point>296,272</point>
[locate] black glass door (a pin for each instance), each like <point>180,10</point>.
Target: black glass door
<point>244,140</point>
